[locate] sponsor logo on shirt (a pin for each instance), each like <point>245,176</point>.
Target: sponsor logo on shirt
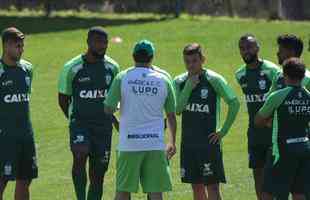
<point>144,87</point>
<point>143,136</point>
<point>298,107</point>
<point>16,98</point>
<point>93,94</point>
<point>84,79</point>
<point>7,83</point>
<point>255,98</point>
<point>195,107</point>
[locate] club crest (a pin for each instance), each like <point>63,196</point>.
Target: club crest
<point>204,93</point>
<point>27,80</point>
<point>262,84</point>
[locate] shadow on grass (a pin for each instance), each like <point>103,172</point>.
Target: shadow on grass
<point>39,24</point>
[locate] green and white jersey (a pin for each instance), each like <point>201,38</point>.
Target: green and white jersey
<point>88,85</point>
<point>200,107</point>
<point>278,82</point>
<point>144,94</point>
<point>291,110</point>
<point>15,92</point>
<point>255,84</point>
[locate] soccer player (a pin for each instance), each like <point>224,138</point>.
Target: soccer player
<point>83,85</point>
<point>287,168</point>
<point>18,154</point>
<point>255,78</point>
<point>199,92</point>
<point>288,46</point>
<point>144,93</point>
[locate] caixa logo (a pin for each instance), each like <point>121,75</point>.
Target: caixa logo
<point>93,94</point>
<point>16,98</point>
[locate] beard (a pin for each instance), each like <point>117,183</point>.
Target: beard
<point>15,58</point>
<point>97,55</point>
<point>250,59</point>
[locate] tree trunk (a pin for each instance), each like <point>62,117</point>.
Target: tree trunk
<point>292,9</point>
<point>229,8</point>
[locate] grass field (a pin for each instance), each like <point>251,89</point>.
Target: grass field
<point>51,42</point>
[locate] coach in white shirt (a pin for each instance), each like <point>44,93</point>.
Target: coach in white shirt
<point>144,93</point>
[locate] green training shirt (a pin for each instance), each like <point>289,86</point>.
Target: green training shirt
<point>291,109</point>
<point>15,92</point>
<point>255,84</point>
<point>278,82</point>
<point>87,84</point>
<point>200,107</point>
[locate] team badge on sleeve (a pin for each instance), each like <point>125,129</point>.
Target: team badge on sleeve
<point>204,93</point>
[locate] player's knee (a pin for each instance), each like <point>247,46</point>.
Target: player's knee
<point>198,188</point>
<point>23,184</point>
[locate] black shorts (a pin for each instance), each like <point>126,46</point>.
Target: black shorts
<point>18,154</point>
<point>290,174</point>
<point>96,138</point>
<point>202,165</point>
<point>258,156</point>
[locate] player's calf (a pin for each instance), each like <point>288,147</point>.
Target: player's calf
<point>199,192</point>
<point>214,192</point>
<point>22,189</point>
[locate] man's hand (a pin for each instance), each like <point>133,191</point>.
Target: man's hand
<point>170,150</point>
<point>215,138</point>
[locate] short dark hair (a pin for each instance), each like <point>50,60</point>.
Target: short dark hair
<point>96,30</point>
<point>294,68</point>
<point>247,36</point>
<point>291,42</point>
<point>11,33</point>
<point>193,48</point>
<point>142,56</point>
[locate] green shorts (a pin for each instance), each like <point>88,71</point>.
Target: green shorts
<point>18,154</point>
<point>151,168</point>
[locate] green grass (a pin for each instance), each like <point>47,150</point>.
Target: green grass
<point>51,42</point>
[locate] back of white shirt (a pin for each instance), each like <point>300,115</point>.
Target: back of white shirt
<point>143,95</point>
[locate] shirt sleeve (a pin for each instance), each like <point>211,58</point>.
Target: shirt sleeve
<point>182,96</point>
<point>170,104</point>
<point>114,94</point>
<point>65,81</point>
<point>230,98</point>
<point>269,106</point>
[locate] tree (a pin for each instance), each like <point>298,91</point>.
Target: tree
<point>292,9</point>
